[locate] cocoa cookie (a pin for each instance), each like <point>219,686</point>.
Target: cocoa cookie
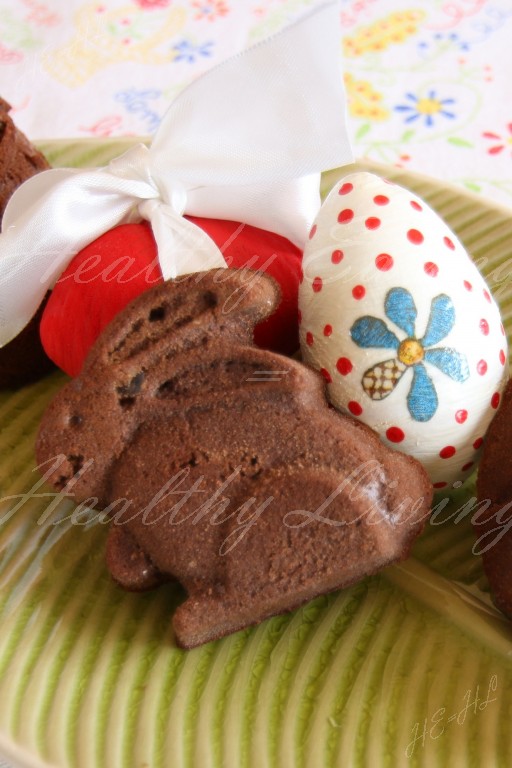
<point>493,521</point>
<point>221,464</point>
<point>22,360</point>
<point>19,159</point>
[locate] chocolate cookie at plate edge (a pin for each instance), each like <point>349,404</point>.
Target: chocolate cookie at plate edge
<point>493,523</point>
<point>221,464</point>
<point>22,360</point>
<point>19,159</point>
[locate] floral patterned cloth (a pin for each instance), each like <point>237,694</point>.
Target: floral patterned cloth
<point>427,83</point>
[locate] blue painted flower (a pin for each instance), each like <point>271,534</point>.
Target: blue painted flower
<point>425,107</point>
<point>186,51</point>
<point>372,333</point>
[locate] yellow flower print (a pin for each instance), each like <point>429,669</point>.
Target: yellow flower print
<point>395,28</point>
<point>108,36</point>
<point>363,100</point>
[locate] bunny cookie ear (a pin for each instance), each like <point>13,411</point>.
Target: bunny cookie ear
<point>160,322</point>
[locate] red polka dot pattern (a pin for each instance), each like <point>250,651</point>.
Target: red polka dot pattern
<point>484,326</point>
<point>395,434</point>
<point>344,366</point>
<point>358,292</point>
<point>415,237</point>
<point>345,216</point>
<point>461,416</point>
<point>431,269</point>
<point>368,213</point>
<point>384,262</point>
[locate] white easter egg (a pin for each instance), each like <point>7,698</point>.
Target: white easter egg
<point>402,325</point>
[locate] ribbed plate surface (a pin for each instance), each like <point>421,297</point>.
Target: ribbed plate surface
<point>410,668</point>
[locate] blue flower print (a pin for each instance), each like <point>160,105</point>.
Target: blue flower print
<point>440,42</point>
<point>426,107</point>
<point>187,51</point>
<point>372,333</point>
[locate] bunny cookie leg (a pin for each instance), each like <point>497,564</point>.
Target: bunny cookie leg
<point>129,566</point>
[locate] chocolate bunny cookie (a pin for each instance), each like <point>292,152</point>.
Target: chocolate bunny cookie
<point>221,465</point>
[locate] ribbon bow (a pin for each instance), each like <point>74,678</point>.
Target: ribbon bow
<point>246,142</point>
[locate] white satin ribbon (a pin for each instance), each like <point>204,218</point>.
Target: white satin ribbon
<point>246,142</point>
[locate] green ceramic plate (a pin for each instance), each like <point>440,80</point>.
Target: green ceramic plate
<point>409,668</point>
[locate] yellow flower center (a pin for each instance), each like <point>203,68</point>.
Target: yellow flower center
<point>428,106</point>
<point>410,352</point>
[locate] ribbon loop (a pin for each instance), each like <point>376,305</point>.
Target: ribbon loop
<point>133,164</point>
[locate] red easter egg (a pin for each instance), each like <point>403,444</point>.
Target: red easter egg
<point>116,267</point>
<point>100,280</point>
